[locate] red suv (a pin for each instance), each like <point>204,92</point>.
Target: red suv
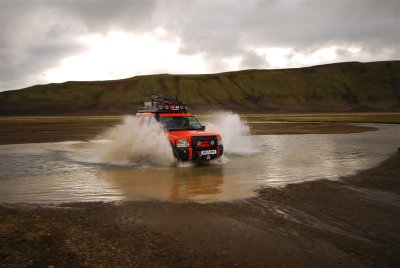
<point>188,138</point>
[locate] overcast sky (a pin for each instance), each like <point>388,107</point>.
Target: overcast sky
<point>56,41</point>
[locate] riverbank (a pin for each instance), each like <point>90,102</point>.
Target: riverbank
<point>39,129</point>
<point>354,222</point>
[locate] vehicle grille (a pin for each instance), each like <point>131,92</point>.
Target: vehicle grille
<point>205,145</point>
<point>205,142</point>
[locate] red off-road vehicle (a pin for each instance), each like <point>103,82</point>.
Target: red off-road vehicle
<point>188,138</point>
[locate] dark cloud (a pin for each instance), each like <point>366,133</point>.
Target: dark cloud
<point>224,27</point>
<point>103,15</point>
<point>37,35</point>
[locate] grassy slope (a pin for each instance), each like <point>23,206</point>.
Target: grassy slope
<point>335,87</point>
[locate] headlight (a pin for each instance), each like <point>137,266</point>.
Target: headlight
<point>182,143</point>
<point>219,141</point>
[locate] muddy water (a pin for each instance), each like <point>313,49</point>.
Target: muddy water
<point>67,172</point>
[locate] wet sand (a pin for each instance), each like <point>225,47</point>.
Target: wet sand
<point>39,129</point>
<point>354,222</point>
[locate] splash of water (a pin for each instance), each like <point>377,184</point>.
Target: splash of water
<point>234,131</point>
<point>129,143</point>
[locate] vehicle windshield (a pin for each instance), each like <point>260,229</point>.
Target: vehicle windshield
<point>180,123</point>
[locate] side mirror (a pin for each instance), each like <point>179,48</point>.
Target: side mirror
<point>203,127</point>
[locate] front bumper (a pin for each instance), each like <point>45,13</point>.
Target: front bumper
<point>198,156</point>
<point>188,153</point>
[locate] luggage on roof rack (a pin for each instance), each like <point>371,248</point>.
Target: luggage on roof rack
<point>164,104</point>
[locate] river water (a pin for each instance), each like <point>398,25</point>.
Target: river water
<point>61,172</point>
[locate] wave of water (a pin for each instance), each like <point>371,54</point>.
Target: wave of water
<point>234,131</point>
<point>148,145</point>
<point>128,144</point>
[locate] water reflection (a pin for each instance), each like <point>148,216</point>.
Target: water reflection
<point>172,184</point>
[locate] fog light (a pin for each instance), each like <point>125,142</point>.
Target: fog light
<point>182,143</point>
<point>212,142</point>
<point>198,143</point>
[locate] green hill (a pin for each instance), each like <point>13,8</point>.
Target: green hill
<point>350,86</point>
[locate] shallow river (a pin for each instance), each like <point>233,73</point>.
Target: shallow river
<point>48,172</point>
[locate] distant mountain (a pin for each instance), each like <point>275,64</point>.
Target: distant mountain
<point>350,86</point>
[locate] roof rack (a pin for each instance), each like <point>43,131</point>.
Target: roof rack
<point>162,104</point>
